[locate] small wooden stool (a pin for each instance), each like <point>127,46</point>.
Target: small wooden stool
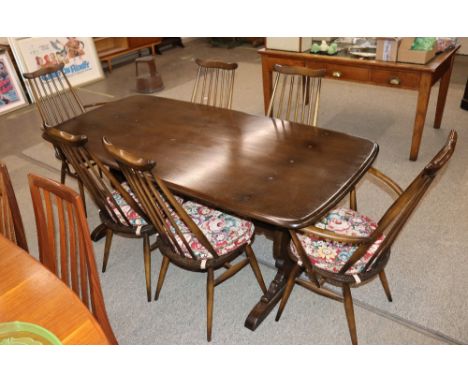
<point>151,81</point>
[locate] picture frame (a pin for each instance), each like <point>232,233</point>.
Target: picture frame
<point>82,64</point>
<point>12,96</point>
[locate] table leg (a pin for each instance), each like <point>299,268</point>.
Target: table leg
<point>276,288</point>
<point>421,111</point>
<point>267,83</point>
<point>443,89</point>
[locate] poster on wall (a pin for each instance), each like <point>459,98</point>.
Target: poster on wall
<point>78,54</point>
<point>11,91</point>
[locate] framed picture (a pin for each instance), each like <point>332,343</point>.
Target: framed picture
<point>12,96</point>
<point>79,55</point>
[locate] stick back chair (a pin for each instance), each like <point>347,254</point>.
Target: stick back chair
<point>65,247</point>
<point>296,94</point>
<point>192,236</point>
<point>214,85</point>
<point>57,102</point>
<point>118,209</point>
<point>360,250</point>
<point>11,224</point>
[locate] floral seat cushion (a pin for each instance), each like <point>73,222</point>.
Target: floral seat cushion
<point>133,217</point>
<point>225,232</point>
<point>332,255</point>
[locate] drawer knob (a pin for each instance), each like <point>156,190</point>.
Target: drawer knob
<point>394,81</point>
<point>337,74</point>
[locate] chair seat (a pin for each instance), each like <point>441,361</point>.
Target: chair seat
<point>225,232</point>
<point>332,255</point>
<point>133,217</point>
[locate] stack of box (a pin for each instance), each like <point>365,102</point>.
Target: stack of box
<point>395,49</point>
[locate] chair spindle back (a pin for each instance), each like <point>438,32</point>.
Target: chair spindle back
<point>158,202</point>
<point>55,98</point>
<point>214,85</point>
<point>64,243</point>
<point>399,212</point>
<point>96,177</point>
<point>11,224</point>
<point>296,94</point>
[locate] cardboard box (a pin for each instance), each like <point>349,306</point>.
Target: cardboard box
<point>405,54</point>
<point>291,44</point>
<point>387,48</point>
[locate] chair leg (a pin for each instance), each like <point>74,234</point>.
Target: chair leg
<point>209,302</point>
<point>162,276</point>
<point>256,269</point>
<point>287,290</point>
<point>349,309</point>
<point>147,259</point>
<point>107,245</point>
<point>63,172</point>
<point>383,280</point>
<point>82,194</point>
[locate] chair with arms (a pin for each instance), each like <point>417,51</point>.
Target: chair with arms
<point>214,84</point>
<point>296,94</point>
<point>11,224</point>
<point>191,236</point>
<point>65,247</point>
<point>348,249</point>
<point>118,209</point>
<point>57,102</point>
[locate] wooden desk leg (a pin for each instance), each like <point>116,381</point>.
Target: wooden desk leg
<point>267,83</point>
<point>443,89</point>
<point>276,288</point>
<point>421,111</point>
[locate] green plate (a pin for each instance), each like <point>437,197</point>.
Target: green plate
<point>25,333</point>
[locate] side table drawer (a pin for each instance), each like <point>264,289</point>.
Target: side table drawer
<point>347,73</point>
<point>404,80</point>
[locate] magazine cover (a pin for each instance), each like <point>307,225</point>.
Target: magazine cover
<point>79,55</point>
<point>11,91</point>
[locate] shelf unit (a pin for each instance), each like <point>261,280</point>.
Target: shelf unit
<point>109,48</point>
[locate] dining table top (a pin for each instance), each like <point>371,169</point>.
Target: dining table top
<point>30,293</point>
<point>278,172</point>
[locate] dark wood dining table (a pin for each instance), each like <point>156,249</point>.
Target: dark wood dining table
<point>280,174</point>
<point>29,292</point>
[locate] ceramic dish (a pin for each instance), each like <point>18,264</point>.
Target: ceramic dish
<point>25,333</point>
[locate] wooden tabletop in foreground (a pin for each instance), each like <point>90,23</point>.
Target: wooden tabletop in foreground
<point>282,173</point>
<point>30,293</point>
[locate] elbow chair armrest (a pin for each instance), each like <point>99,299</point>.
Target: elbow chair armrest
<point>330,235</point>
<point>386,180</point>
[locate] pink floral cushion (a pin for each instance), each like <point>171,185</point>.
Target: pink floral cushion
<point>133,217</point>
<point>225,232</point>
<point>331,255</point>
<point>130,213</point>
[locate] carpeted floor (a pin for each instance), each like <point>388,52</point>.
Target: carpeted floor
<point>426,271</point>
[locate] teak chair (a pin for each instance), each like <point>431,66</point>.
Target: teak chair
<point>118,210</point>
<point>296,94</point>
<point>64,244</point>
<point>57,102</point>
<point>11,224</point>
<point>190,234</point>
<point>214,85</point>
<point>360,251</point>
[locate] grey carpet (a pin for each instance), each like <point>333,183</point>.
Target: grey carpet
<point>426,271</point>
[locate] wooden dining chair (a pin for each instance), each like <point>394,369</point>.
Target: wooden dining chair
<point>118,209</point>
<point>191,236</point>
<point>348,249</point>
<point>214,85</point>
<point>296,94</point>
<point>65,246</point>
<point>57,102</point>
<point>11,224</point>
